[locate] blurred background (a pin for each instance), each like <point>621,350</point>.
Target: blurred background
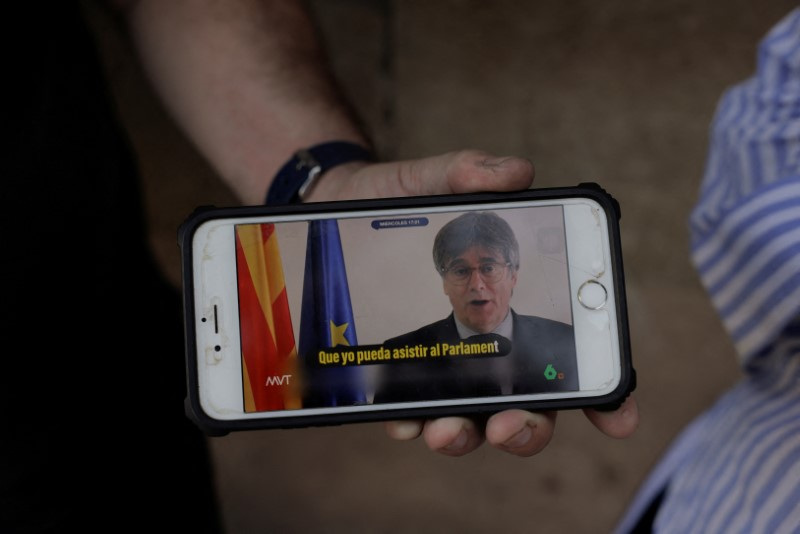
<point>617,92</point>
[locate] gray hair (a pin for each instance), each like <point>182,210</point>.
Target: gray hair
<point>475,229</point>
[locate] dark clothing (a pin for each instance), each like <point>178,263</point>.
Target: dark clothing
<point>94,437</point>
<point>537,343</point>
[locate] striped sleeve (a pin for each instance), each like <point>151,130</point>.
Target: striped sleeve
<point>741,472</point>
<point>745,228</point>
<point>736,468</point>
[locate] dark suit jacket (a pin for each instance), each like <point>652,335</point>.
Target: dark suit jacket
<point>537,342</point>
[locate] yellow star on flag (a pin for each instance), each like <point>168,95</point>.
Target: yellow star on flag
<point>337,334</point>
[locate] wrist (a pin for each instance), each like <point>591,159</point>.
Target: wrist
<point>300,178</point>
<point>336,184</point>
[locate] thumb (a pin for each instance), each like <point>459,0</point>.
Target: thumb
<point>472,171</point>
<point>465,171</point>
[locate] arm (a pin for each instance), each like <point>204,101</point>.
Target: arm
<point>247,81</point>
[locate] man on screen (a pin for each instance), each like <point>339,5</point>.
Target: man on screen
<point>477,257</point>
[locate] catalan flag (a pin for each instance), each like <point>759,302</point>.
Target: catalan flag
<point>269,355</point>
<point>326,320</point>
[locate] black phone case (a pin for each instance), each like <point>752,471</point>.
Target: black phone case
<point>216,427</point>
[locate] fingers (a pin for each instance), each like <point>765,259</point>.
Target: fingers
<point>619,423</point>
<point>404,430</point>
<point>516,432</point>
<point>520,432</point>
<point>452,436</point>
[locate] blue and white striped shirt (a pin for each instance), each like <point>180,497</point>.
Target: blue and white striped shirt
<point>736,468</point>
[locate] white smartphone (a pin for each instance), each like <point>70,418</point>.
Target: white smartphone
<point>367,310</point>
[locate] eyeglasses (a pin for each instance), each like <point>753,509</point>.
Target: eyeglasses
<point>491,272</point>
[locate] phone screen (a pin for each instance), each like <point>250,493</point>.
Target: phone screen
<point>418,307</point>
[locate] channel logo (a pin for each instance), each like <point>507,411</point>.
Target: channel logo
<point>550,373</point>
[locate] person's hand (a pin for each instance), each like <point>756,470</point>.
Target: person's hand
<point>517,432</point>
<point>464,171</point>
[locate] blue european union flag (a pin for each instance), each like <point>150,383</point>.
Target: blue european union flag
<point>326,320</point>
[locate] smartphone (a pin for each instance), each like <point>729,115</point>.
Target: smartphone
<point>341,312</point>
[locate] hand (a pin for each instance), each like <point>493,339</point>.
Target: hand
<point>517,432</point>
<point>464,171</point>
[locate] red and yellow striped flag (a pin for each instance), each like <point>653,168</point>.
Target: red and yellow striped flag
<point>269,355</point>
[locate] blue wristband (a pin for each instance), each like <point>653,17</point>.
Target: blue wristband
<point>298,175</point>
